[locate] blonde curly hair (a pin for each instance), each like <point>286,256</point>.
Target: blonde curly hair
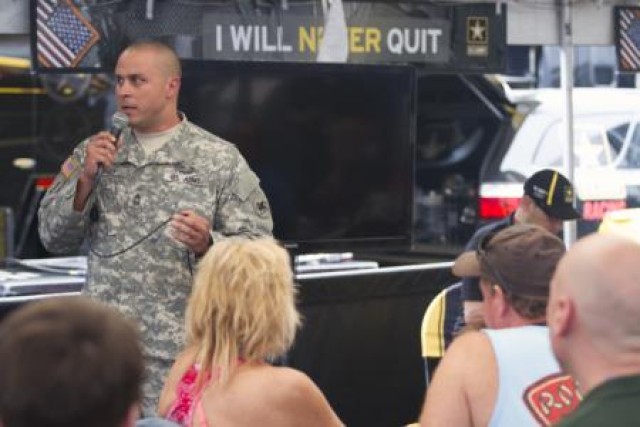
<point>242,306</point>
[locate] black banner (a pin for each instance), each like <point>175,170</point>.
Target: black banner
<point>76,35</point>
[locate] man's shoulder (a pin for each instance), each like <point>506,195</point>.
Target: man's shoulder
<point>469,366</point>
<point>486,229</point>
<point>205,140</point>
<point>469,349</point>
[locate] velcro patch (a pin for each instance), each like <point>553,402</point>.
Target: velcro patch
<point>261,207</point>
<point>552,398</point>
<point>69,167</point>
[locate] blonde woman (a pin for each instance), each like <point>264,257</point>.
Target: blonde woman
<point>242,313</point>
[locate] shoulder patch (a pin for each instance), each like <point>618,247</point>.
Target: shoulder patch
<point>69,167</point>
<point>261,207</point>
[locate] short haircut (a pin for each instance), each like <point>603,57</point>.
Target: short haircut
<point>242,307</point>
<point>68,362</point>
<point>530,308</point>
<point>168,57</point>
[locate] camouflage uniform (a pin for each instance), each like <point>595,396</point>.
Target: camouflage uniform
<point>133,263</point>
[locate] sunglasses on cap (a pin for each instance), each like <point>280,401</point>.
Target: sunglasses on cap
<point>486,265</point>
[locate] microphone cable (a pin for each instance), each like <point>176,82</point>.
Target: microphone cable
<point>126,248</point>
<point>103,255</point>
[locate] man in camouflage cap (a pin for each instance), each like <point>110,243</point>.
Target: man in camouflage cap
<point>150,203</point>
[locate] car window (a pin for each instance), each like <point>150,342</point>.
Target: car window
<point>616,136</point>
<point>592,147</point>
<point>631,159</point>
<point>549,152</point>
<point>597,141</point>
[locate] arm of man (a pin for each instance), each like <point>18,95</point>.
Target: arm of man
<point>193,230</point>
<point>61,226</point>
<point>463,390</point>
<point>101,150</point>
<point>65,207</point>
<point>242,208</point>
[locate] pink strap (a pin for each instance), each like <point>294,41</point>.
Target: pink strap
<point>201,414</point>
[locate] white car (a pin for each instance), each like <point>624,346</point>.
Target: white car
<point>606,151</point>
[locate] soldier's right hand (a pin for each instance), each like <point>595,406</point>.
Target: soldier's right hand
<point>101,150</point>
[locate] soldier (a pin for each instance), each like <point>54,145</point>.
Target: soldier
<point>149,203</point>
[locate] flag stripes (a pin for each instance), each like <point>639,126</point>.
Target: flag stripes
<point>63,34</point>
<point>628,38</point>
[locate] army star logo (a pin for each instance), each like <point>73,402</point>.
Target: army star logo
<point>477,36</point>
<point>477,30</point>
<point>568,195</point>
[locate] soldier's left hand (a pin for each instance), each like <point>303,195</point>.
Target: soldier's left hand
<point>192,230</point>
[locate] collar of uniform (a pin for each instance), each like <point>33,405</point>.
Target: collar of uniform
<point>133,153</point>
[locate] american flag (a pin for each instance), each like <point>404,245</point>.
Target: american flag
<point>628,38</point>
<point>64,35</point>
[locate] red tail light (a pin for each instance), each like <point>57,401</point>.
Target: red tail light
<point>44,182</point>
<point>497,207</point>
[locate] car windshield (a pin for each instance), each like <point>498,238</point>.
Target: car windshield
<point>630,152</point>
<point>597,141</point>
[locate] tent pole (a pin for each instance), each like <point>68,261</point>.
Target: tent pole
<point>566,81</point>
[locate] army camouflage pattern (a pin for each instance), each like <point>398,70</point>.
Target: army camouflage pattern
<point>133,264</point>
<point>156,371</point>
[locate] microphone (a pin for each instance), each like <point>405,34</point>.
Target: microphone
<point>119,121</point>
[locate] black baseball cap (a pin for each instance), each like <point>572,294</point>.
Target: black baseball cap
<point>553,193</point>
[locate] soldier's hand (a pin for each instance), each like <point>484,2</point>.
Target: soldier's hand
<point>102,149</point>
<point>192,230</point>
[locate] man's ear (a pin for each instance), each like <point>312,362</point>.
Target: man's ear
<point>500,300</point>
<point>561,316</point>
<point>173,86</point>
<point>526,202</point>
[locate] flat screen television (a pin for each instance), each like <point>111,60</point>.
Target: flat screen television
<point>332,144</point>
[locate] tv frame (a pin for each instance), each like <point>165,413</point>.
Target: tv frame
<point>401,241</point>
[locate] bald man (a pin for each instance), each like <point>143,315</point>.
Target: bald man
<point>594,323</point>
<point>167,191</point>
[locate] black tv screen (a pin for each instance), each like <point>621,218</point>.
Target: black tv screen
<point>332,145</point>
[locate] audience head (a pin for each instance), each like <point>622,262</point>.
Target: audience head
<point>593,313</point>
<point>515,266</point>
<point>69,362</point>
<point>547,201</point>
<point>242,307</point>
